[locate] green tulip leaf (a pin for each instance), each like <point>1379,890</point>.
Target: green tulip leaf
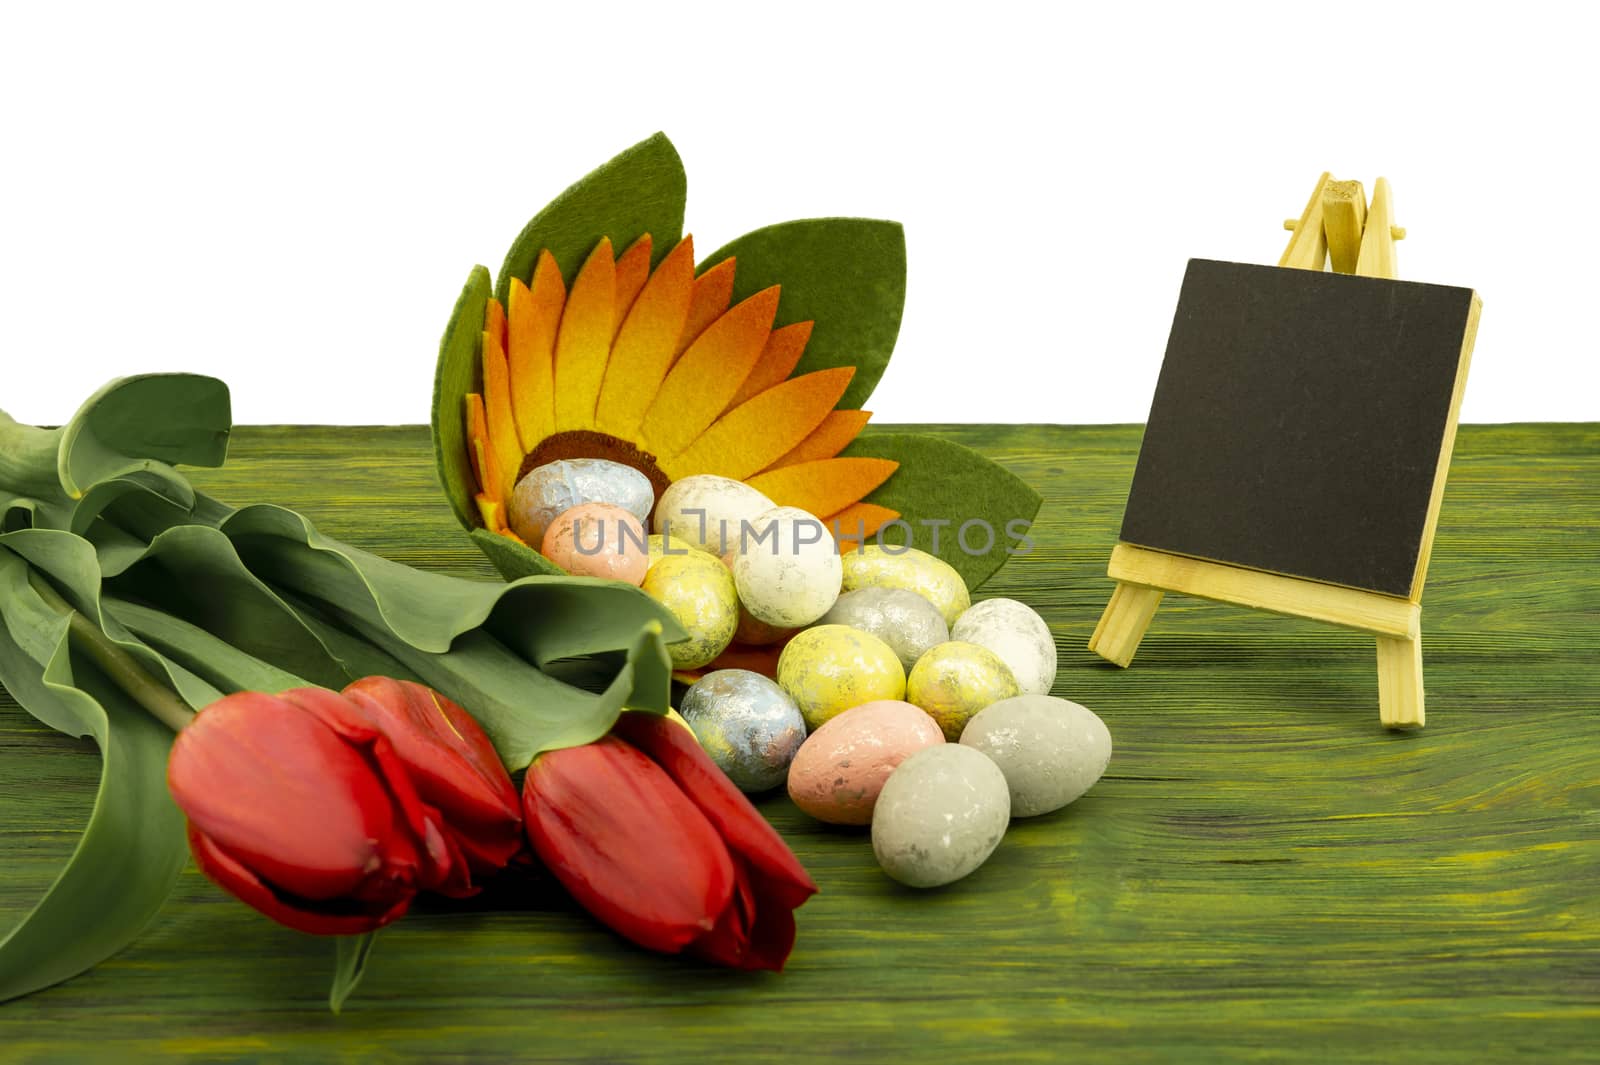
<point>941,481</point>
<point>114,434</point>
<point>848,275</point>
<point>458,372</point>
<point>640,191</point>
<point>350,965</point>
<point>133,848</point>
<point>213,659</point>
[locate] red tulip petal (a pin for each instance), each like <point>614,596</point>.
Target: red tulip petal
<point>302,915</point>
<point>627,844</point>
<point>746,832</point>
<point>729,941</point>
<point>453,764</point>
<point>285,795</point>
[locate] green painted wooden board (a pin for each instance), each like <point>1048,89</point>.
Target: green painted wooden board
<point>1264,874</point>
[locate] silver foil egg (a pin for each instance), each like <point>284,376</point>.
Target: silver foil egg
<point>748,725</point>
<point>908,623</point>
<point>556,487</point>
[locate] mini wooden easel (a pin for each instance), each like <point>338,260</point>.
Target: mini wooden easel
<point>1338,226</point>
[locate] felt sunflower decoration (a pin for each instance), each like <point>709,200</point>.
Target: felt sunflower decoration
<point>604,338</point>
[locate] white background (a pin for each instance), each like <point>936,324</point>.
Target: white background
<point>290,197</point>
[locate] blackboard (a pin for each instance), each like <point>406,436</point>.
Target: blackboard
<point>1298,423</point>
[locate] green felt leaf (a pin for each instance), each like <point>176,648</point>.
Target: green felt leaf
<point>848,275</point>
<point>941,481</point>
<point>457,373</point>
<point>133,848</point>
<point>350,965</point>
<point>640,191</point>
<point>512,559</point>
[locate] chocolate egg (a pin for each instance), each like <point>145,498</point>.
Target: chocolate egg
<point>830,668</point>
<point>955,680</point>
<point>708,512</point>
<point>559,486</point>
<point>904,620</point>
<point>1050,750</point>
<point>598,540</point>
<point>873,566</point>
<point>748,725</point>
<point>1018,635</point>
<point>698,589</point>
<point>940,815</point>
<point>787,568</point>
<point>841,768</point>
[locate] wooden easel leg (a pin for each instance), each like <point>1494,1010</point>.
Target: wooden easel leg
<point>1400,681</point>
<point>1122,625</point>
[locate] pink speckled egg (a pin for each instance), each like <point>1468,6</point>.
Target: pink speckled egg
<point>840,769</point>
<point>598,540</point>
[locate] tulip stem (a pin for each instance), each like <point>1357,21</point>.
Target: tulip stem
<point>122,668</point>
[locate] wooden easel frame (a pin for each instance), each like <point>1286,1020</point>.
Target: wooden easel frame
<point>1337,225</point>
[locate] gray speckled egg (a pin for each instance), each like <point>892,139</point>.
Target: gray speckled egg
<point>1050,750</point>
<point>559,486</point>
<point>748,725</point>
<point>787,569</point>
<point>1016,633</point>
<point>904,620</point>
<point>940,815</point>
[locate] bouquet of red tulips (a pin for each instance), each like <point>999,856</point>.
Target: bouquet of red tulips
<point>347,728</point>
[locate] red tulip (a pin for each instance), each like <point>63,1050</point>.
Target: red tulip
<point>299,806</point>
<point>647,834</point>
<point>453,765</point>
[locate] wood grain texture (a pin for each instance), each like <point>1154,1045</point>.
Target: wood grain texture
<point>1264,873</point>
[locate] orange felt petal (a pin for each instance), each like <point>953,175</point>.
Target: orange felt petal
<point>828,439</point>
<point>750,436</point>
<point>778,360</point>
<point>485,466</point>
<point>712,291</point>
<point>584,341</point>
<point>494,319</point>
<point>823,487</point>
<point>859,521</point>
<point>503,441</point>
<point>645,344</point>
<point>509,535</point>
<point>633,269</point>
<point>700,384</point>
<point>532,320</point>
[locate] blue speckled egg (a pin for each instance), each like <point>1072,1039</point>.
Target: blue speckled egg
<point>559,486</point>
<point>748,725</point>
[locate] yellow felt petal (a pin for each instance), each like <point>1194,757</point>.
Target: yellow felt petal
<point>700,384</point>
<point>750,436</point>
<point>633,268</point>
<point>503,441</point>
<point>778,360</point>
<point>646,344</point>
<point>485,464</point>
<point>859,520</point>
<point>532,320</point>
<point>838,428</point>
<point>712,291</point>
<point>823,487</point>
<point>494,319</point>
<point>492,512</point>
<point>584,342</point>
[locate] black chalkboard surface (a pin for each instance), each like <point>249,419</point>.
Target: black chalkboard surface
<point>1298,423</point>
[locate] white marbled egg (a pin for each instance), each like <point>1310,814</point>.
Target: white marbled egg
<point>1050,750</point>
<point>559,486</point>
<point>940,815</point>
<point>787,569</point>
<point>1016,633</point>
<point>708,512</point>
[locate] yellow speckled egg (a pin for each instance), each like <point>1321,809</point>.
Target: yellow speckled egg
<point>662,546</point>
<point>598,540</point>
<point>955,680</point>
<point>698,589</point>
<point>871,566</point>
<point>830,668</point>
